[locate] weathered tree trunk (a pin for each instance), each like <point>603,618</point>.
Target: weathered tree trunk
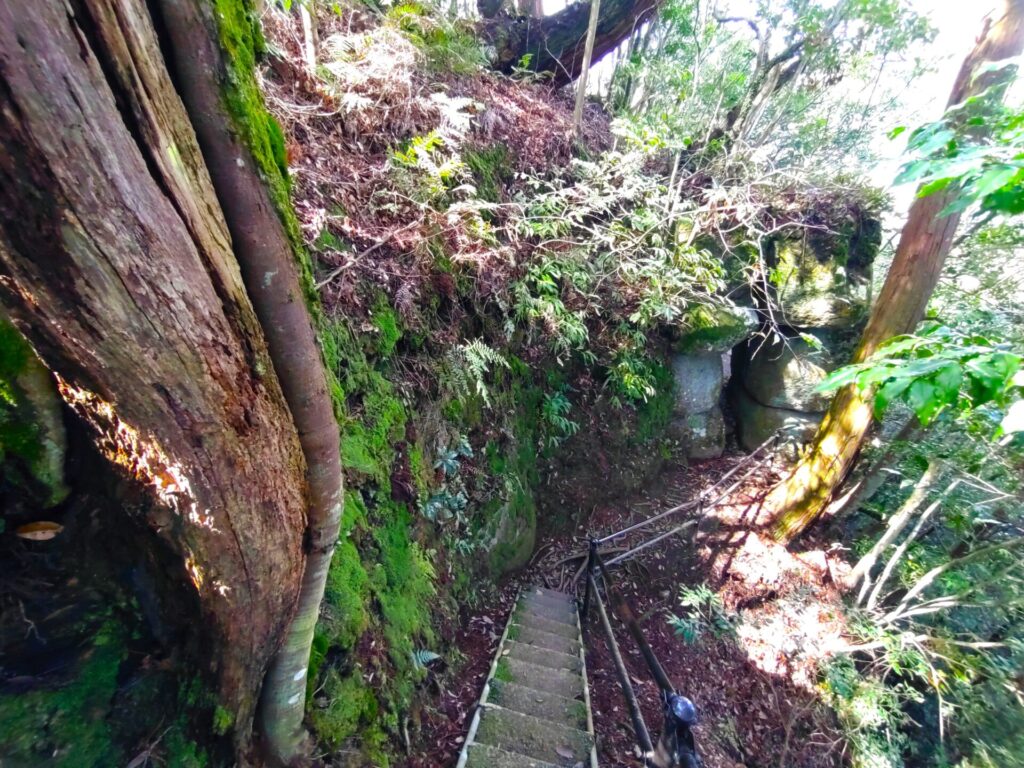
<point>238,139</point>
<point>924,244</point>
<point>556,43</point>
<point>116,263</point>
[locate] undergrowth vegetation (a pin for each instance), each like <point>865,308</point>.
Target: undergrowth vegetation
<point>488,285</point>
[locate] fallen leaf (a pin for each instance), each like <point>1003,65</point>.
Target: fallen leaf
<point>564,752</point>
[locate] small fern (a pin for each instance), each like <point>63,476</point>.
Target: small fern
<point>468,366</point>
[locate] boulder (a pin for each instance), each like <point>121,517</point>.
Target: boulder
<point>755,422</point>
<point>701,434</point>
<point>717,329</point>
<point>512,532</point>
<point>785,375</point>
<point>698,382</point>
<point>818,290</point>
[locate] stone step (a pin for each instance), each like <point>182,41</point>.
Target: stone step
<point>542,657</point>
<point>561,613</point>
<point>546,706</point>
<point>533,621</point>
<point>484,756</point>
<point>561,682</point>
<point>533,737</point>
<point>547,596</point>
<point>549,593</point>
<point>532,635</point>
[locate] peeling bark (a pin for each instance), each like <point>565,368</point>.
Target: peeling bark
<point>116,263</point>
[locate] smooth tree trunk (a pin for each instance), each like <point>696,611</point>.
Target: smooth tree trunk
<point>237,138</point>
<point>923,247</point>
<point>588,54</point>
<point>117,265</point>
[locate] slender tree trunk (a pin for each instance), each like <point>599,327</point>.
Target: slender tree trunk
<point>238,143</point>
<point>899,521</point>
<point>874,476</point>
<point>920,256</point>
<point>116,263</point>
<point>310,34</point>
<point>588,52</point>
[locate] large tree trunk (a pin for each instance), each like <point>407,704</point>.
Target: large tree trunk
<point>556,43</point>
<point>924,244</point>
<point>239,139</point>
<point>117,264</point>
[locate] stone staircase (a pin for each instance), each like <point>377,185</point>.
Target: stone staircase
<point>535,707</point>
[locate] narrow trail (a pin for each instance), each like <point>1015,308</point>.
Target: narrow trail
<point>754,685</point>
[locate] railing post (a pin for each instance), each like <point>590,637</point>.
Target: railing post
<point>591,557</point>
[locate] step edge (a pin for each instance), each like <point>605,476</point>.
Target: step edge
<point>539,763</point>
<point>517,713</point>
<point>549,634</point>
<point>475,723</point>
<point>570,657</point>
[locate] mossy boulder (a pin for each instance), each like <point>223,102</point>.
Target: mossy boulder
<point>512,533</point>
<point>716,329</point>
<point>702,434</point>
<point>755,422</point>
<point>817,289</point>
<point>698,382</point>
<point>785,374</point>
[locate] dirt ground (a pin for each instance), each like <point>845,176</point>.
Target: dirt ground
<point>754,685</point>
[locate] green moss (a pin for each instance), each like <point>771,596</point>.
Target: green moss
<point>67,727</point>
<point>422,474</point>
<point>351,706</point>
<point>386,321</point>
<point>344,615</point>
<point>403,585</point>
<point>181,751</point>
<point>368,442</point>
<point>654,416</point>
<point>222,720</point>
<point>491,168</point>
<point>32,458</point>
<point>242,43</point>
<point>502,672</point>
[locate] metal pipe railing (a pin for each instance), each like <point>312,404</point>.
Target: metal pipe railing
<point>643,736</point>
<point>690,504</point>
<point>621,609</point>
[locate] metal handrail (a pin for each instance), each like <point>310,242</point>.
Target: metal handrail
<point>643,736</point>
<point>690,504</point>
<point>621,608</point>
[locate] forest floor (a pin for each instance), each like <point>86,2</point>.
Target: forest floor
<point>754,679</point>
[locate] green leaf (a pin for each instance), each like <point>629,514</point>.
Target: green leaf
<point>922,397</point>
<point>935,186</point>
<point>887,393</point>
<point>839,378</point>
